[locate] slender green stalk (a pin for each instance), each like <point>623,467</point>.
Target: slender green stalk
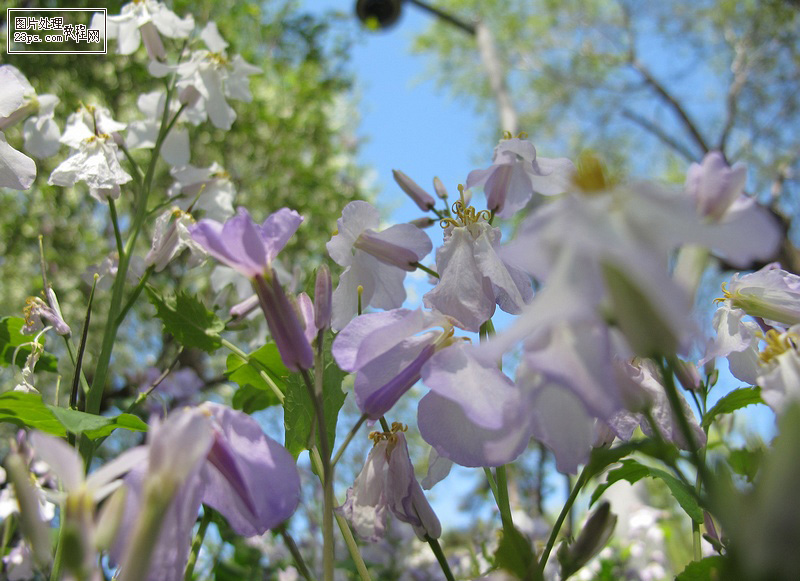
<point>74,360</point>
<point>134,295</point>
<point>424,268</point>
<point>296,555</point>
<point>437,551</point>
<point>502,499</point>
<point>662,443</point>
<point>112,210</point>
<point>698,485</point>
<point>348,439</point>
<point>582,478</point>
<point>350,541</point>
<point>197,542</point>
<point>315,393</point>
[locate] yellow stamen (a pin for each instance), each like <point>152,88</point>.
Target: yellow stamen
<point>777,344</point>
<point>465,215</point>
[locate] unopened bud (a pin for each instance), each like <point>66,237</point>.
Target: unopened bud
<point>387,252</point>
<point>247,306</point>
<point>420,197</point>
<point>439,188</point>
<point>423,222</point>
<point>189,96</point>
<point>322,298</point>
<point>283,322</point>
<point>591,540</point>
<point>688,375</point>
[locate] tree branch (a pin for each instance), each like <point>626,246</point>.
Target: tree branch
<point>660,133</point>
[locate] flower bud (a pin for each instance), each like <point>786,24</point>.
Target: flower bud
<point>322,298</point>
<point>283,323</point>
<point>423,222</point>
<point>688,375</point>
<point>189,96</point>
<point>591,540</point>
<point>387,252</point>
<point>439,188</point>
<point>420,197</point>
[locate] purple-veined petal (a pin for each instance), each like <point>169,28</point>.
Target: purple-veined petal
<point>277,229</point>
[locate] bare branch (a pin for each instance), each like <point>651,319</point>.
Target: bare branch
<point>740,73</point>
<point>660,133</point>
<point>672,102</point>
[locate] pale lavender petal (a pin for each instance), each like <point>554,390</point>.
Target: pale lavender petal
<point>120,465</point>
<point>365,506</point>
<point>445,426</point>
<point>483,391</point>
<point>552,176</point>
<point>506,290</point>
<point>516,146</point>
<point>62,458</point>
<point>307,312</point>
<point>356,217</point>
<point>404,496</point>
<point>382,382</point>
<point>373,334</point>
<point>508,190</point>
<point>180,444</point>
<point>277,229</point>
<point>251,479</point>
<point>462,291</point>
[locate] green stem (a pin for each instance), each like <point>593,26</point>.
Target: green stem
<point>298,558</point>
<point>112,210</point>
<point>197,543</point>
<point>502,501</point>
<point>348,439</point>
<point>350,541</point>
<point>424,268</point>
<point>437,551</point>
<point>134,295</point>
<point>663,445</point>
<point>582,478</point>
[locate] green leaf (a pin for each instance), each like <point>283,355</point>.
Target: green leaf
<point>93,426</point>
<point>27,410</point>
<point>633,471</point>
<point>299,410</point>
<point>254,393</point>
<point>733,401</point>
<point>187,319</point>
<point>250,399</point>
<point>11,337</point>
<point>708,569</point>
<point>746,462</point>
<point>515,555</point>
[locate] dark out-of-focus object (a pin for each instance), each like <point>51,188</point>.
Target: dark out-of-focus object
<point>383,12</point>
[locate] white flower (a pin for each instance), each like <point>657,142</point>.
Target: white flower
<point>210,189</point>
<point>214,76</point>
<point>144,133</point>
<point>170,237</point>
<point>17,170</point>
<point>143,20</point>
<point>89,121</point>
<point>376,261</point>
<point>95,162</point>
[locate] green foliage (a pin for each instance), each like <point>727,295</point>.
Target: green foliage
<point>27,410</point>
<point>94,427</point>
<point>633,471</point>
<point>514,555</point>
<point>746,462</point>
<point>186,319</point>
<point>254,393</point>
<point>299,409</point>
<point>708,569</point>
<point>733,401</point>
<point>14,342</point>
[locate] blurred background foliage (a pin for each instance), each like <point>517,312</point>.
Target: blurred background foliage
<point>294,145</point>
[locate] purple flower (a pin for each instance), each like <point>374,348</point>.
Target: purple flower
<point>387,351</point>
<point>210,454</point>
<point>244,246</point>
<point>387,484</point>
<point>516,172</point>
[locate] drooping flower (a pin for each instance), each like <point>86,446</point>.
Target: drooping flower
<point>143,21</point>
<point>387,484</point>
<point>516,173</point>
<point>779,369</point>
<point>36,310</point>
<point>89,121</point>
<point>472,277</point>
<point>375,261</point>
<point>387,352</point>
